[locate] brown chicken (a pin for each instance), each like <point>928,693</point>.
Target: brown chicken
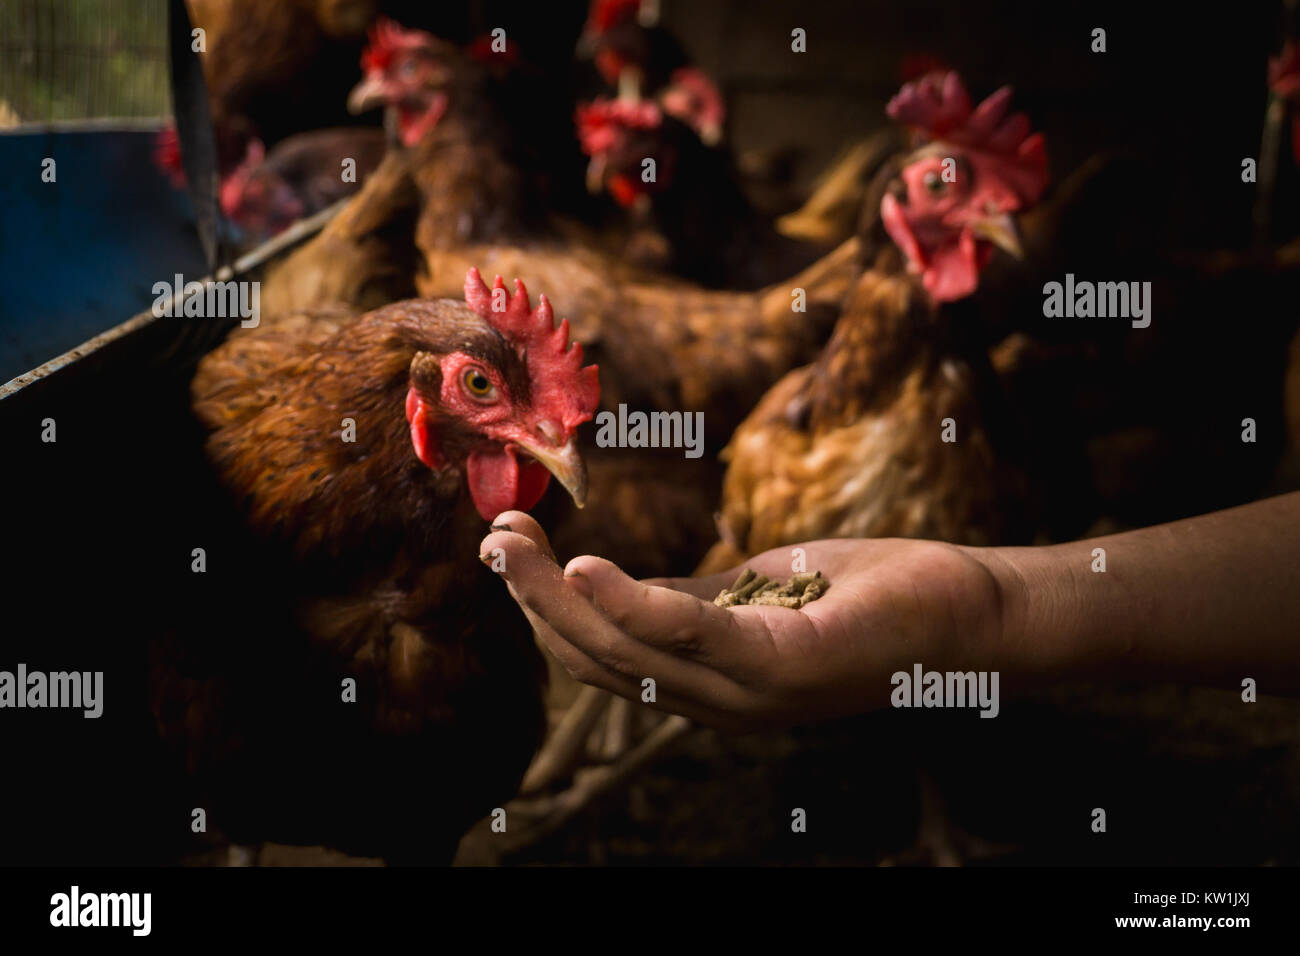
<point>891,432</point>
<point>457,196</point>
<point>884,435</point>
<point>628,47</point>
<point>266,192</point>
<point>365,683</point>
<point>463,175</point>
<point>299,177</point>
<point>275,69</point>
<point>687,350</point>
<point>457,190</point>
<point>690,217</point>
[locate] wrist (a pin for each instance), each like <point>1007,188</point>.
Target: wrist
<point>1041,630</point>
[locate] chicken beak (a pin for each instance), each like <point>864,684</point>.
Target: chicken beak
<point>564,463</point>
<point>366,95</point>
<point>1001,231</point>
<point>630,82</point>
<point>596,175</point>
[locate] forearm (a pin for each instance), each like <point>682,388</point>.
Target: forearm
<point>1212,599</point>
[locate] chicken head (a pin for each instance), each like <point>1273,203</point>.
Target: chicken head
<point>957,196</point>
<point>408,73</point>
<point>504,407</point>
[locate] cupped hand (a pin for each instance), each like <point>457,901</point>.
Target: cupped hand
<point>891,604</point>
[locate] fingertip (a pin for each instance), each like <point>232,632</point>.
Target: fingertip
<point>579,582</point>
<point>490,543</point>
<point>596,579</point>
<point>597,570</point>
<point>499,549</point>
<point>521,522</point>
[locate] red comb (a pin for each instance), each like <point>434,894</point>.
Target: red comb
<point>602,121</point>
<point>387,39</point>
<point>606,14</point>
<point>554,366</point>
<point>938,107</point>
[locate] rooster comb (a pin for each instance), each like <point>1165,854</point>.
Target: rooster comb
<point>606,14</point>
<point>387,39</point>
<point>552,360</point>
<point>938,107</point>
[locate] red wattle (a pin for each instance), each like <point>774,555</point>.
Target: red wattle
<point>497,482</point>
<point>895,220</point>
<point>413,126</point>
<point>422,437</point>
<point>623,190</point>
<point>954,270</point>
<point>533,479</point>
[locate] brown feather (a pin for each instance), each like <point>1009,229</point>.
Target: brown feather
<point>362,564</point>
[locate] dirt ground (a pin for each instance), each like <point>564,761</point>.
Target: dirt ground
<point>1185,777</point>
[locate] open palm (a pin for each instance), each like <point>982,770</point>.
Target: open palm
<point>891,604</point>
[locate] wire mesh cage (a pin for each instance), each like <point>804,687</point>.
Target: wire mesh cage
<point>64,60</point>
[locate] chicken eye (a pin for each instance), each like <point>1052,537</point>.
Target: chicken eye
<point>934,183</point>
<point>407,70</point>
<point>478,384</point>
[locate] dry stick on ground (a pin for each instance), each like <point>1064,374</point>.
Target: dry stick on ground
<point>618,729</point>
<point>564,747</point>
<point>546,815</point>
<point>578,731</point>
<point>593,750</point>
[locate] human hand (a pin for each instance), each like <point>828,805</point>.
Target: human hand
<point>891,604</point>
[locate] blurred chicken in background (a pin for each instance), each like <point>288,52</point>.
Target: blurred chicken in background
<point>687,213</point>
<point>854,445</point>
